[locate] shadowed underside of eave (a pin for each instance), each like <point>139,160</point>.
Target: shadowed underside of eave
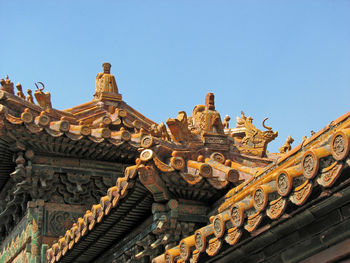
<point>6,164</point>
<point>134,208</point>
<point>44,143</point>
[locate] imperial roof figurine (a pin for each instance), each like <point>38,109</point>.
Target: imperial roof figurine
<point>106,86</point>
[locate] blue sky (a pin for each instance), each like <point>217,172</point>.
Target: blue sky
<point>286,60</point>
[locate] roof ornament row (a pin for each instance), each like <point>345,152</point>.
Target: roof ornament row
<point>43,98</point>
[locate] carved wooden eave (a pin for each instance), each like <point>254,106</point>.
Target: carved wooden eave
<point>120,210</point>
<point>43,132</point>
<point>313,170</point>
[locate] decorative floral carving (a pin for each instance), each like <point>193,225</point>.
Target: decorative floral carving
<point>300,196</point>
<point>233,235</point>
<point>214,246</point>
<point>253,222</point>
<point>308,165</point>
<point>195,256</point>
<point>276,208</point>
<point>219,226</point>
<point>237,216</point>
<point>338,144</point>
<point>60,221</point>
<point>259,198</point>
<point>199,241</point>
<point>184,251</point>
<point>329,176</point>
<point>284,185</point>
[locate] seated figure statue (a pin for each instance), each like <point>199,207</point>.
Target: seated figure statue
<point>106,86</point>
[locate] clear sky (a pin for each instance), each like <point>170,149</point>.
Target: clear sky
<point>286,60</point>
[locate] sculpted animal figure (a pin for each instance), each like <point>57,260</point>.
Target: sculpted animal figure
<point>7,85</point>
<point>179,128</point>
<point>255,136</point>
<point>160,131</point>
<point>226,121</point>
<point>43,98</point>
<point>287,145</point>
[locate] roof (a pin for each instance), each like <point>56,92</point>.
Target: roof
<point>102,124</point>
<point>196,158</point>
<point>316,162</point>
<point>200,164</point>
<point>105,129</point>
<point>310,168</point>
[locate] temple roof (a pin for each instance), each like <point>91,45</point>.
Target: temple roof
<point>105,128</point>
<point>254,191</point>
<point>304,174</point>
<point>197,158</point>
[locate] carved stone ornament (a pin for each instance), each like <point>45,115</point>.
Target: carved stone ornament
<point>237,216</point>
<point>7,85</point>
<point>284,184</point>
<point>214,246</point>
<point>259,199</point>
<point>330,174</point>
<point>30,97</point>
<point>301,193</point>
<point>255,141</point>
<point>43,99</point>
<point>276,208</point>
<point>310,165</point>
<point>179,128</point>
<point>206,120</point>
<point>340,144</point>
<point>233,235</point>
<point>287,145</point>
<point>226,122</point>
<point>253,222</point>
<point>195,256</point>
<point>219,226</point>
<point>160,131</point>
<point>20,91</point>
<point>106,86</point>
<point>200,241</point>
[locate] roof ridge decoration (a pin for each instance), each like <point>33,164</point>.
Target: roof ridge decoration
<point>196,153</point>
<point>266,194</point>
<point>106,86</point>
<point>107,101</point>
<point>255,141</point>
<point>104,119</point>
<point>292,180</point>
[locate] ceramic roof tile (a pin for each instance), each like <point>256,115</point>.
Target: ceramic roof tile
<point>269,194</point>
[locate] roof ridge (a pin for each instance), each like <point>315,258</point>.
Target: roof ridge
<point>268,194</point>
